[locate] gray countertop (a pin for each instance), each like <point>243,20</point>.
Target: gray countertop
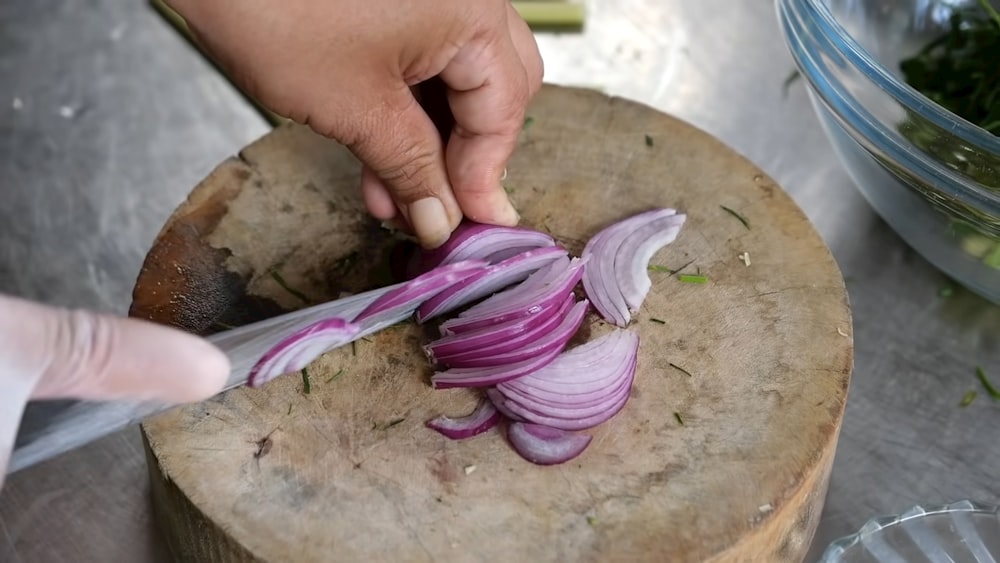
<point>108,118</point>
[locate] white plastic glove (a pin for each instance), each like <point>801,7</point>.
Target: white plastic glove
<point>53,353</point>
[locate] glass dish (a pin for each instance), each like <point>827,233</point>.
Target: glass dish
<point>962,532</point>
<point>931,175</point>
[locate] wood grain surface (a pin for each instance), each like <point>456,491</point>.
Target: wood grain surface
<point>348,472</point>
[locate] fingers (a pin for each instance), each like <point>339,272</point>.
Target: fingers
<point>15,390</point>
<point>84,355</point>
<point>376,195</point>
<point>527,50</point>
<point>490,89</point>
<point>404,151</point>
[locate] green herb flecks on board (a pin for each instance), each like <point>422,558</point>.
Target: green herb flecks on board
<point>680,369</point>
<point>739,216</point>
<point>991,390</point>
<point>277,277</point>
<point>968,398</point>
<point>306,385</point>
<point>336,375</point>
<point>690,278</point>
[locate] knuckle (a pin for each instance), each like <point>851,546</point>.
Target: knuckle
<point>536,75</point>
<point>322,124</point>
<point>82,346</point>
<point>410,172</point>
<point>511,114</point>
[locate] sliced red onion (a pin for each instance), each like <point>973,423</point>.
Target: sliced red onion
<point>540,279</point>
<point>536,399</point>
<point>410,295</point>
<point>590,367</point>
<point>509,352</point>
<point>544,274</point>
<point>566,419</point>
<point>497,399</point>
<point>516,331</point>
<point>484,417</point>
<point>557,282</point>
<point>532,316</point>
<point>301,348</point>
<point>483,377</point>
<point>599,279</point>
<point>545,446</point>
<point>492,279</point>
<point>635,252</point>
<point>570,410</point>
<point>477,241</point>
<point>571,392</point>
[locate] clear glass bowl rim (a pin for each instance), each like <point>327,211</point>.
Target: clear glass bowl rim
<point>901,91</point>
<point>821,18</point>
<point>878,524</point>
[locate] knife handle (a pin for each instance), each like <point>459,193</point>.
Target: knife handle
<point>82,422</point>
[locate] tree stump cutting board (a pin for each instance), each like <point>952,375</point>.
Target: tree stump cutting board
<point>723,452</point>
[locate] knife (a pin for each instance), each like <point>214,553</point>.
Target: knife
<point>59,430</point>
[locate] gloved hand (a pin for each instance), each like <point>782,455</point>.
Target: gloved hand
<point>53,353</point>
<point>345,68</point>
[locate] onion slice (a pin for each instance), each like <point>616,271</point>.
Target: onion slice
<point>477,241</point>
<point>498,400</point>
<point>581,388</point>
<point>484,417</point>
<point>513,332</point>
<point>542,445</point>
<point>574,418</point>
<point>410,295</point>
<point>465,322</point>
<point>301,348</point>
<point>536,399</point>
<point>635,252</point>
<point>589,367</point>
<point>519,301</point>
<point>492,279</point>
<point>581,410</point>
<point>541,344</point>
<point>557,284</point>
<point>482,377</point>
<point>599,279</point>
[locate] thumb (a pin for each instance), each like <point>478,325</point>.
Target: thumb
<point>404,152</point>
<point>84,355</point>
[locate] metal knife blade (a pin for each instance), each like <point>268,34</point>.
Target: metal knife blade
<point>81,422</point>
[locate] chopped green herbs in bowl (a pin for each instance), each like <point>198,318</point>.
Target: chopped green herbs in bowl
<point>908,92</point>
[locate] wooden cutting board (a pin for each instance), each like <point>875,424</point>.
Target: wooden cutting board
<point>725,459</point>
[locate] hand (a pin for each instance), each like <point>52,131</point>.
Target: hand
<point>346,68</point>
<point>51,353</point>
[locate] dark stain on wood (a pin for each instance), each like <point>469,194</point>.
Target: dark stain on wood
<point>443,469</point>
<point>263,447</point>
<point>183,267</point>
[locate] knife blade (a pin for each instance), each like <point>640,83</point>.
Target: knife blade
<point>81,422</point>
<point>62,429</point>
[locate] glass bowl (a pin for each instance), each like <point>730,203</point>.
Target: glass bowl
<point>931,175</point>
<point>962,532</point>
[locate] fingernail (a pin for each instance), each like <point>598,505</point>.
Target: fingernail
<point>509,215</point>
<point>430,221</point>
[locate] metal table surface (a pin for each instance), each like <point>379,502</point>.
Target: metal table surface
<point>108,118</point>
